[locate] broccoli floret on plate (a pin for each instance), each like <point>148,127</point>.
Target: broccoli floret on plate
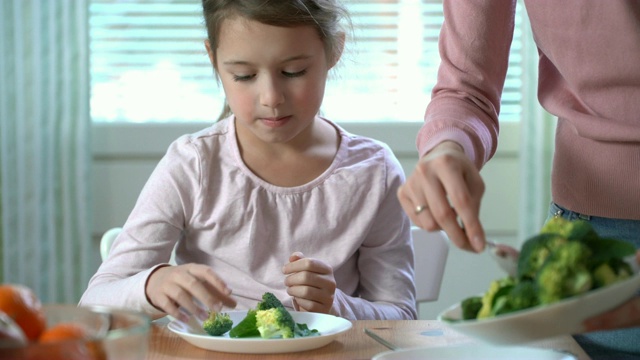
<point>534,253</point>
<point>270,320</point>
<point>565,273</point>
<point>275,323</point>
<point>570,229</point>
<point>497,289</point>
<point>269,301</point>
<point>217,323</point>
<point>470,307</point>
<point>522,295</point>
<point>302,330</point>
<point>557,282</point>
<point>571,254</point>
<point>611,272</point>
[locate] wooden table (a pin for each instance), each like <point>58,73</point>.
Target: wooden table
<point>353,344</point>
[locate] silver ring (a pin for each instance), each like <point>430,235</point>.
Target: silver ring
<point>420,209</point>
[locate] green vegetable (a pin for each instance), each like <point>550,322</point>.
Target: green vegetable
<point>269,301</point>
<point>535,252</point>
<point>611,272</point>
<point>557,282</point>
<point>497,289</point>
<point>565,259</point>
<point>302,330</point>
<point>270,319</point>
<point>514,296</point>
<point>607,250</point>
<point>571,254</point>
<point>247,327</point>
<point>571,230</point>
<point>523,295</point>
<point>470,307</point>
<point>275,323</point>
<point>217,323</point>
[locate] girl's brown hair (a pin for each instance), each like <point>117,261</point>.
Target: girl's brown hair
<point>326,16</point>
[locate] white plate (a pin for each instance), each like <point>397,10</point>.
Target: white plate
<point>328,326</point>
<point>561,318</point>
<point>474,352</point>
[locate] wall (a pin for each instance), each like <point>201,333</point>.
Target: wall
<point>126,153</point>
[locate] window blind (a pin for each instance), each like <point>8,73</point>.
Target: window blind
<point>148,63</point>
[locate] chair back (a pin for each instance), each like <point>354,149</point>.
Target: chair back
<point>110,236</point>
<point>431,249</point>
<point>107,240</point>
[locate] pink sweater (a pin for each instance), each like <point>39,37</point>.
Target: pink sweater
<point>203,200</point>
<point>589,77</point>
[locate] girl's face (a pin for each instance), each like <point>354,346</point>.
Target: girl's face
<point>273,77</point>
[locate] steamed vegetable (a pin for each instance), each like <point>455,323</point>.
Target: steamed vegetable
<point>247,327</point>
<point>275,323</point>
<point>269,301</point>
<point>217,323</point>
<point>566,259</point>
<point>269,320</point>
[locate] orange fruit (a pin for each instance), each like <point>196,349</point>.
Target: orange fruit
<point>22,305</point>
<point>62,331</point>
<point>58,343</point>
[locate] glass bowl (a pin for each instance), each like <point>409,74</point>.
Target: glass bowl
<point>113,333</point>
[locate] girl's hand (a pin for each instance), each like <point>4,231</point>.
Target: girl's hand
<point>174,289</point>
<point>310,282</point>
<point>445,188</point>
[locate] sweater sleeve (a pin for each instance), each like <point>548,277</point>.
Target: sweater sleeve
<point>474,48</point>
<point>148,237</point>
<point>385,261</point>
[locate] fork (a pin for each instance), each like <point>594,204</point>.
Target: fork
<point>505,256</point>
<point>380,340</point>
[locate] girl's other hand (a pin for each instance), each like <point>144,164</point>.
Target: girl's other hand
<point>172,288</point>
<point>310,282</point>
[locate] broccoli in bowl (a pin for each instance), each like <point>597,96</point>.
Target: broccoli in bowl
<point>566,259</point>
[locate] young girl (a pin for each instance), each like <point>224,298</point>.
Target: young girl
<point>273,197</point>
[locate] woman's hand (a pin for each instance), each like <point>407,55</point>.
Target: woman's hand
<point>625,315</point>
<point>174,289</point>
<point>446,188</point>
<point>310,282</point>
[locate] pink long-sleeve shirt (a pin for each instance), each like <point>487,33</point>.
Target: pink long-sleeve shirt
<point>589,77</point>
<point>203,200</point>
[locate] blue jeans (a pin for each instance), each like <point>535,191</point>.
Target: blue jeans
<point>612,344</point>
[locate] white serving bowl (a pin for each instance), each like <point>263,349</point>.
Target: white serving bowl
<point>540,322</point>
